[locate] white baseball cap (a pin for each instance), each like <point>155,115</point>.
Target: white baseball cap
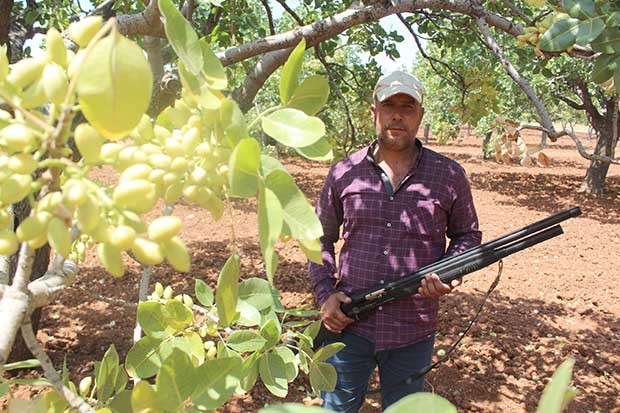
<point>398,82</point>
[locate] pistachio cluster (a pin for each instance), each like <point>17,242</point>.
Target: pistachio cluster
<point>178,157</point>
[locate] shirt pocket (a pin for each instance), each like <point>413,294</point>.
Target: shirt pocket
<point>362,213</point>
<point>425,219</point>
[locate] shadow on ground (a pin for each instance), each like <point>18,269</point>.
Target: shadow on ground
<point>548,192</point>
<point>511,350</point>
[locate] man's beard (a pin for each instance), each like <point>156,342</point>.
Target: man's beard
<point>395,143</point>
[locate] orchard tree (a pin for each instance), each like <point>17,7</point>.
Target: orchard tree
<point>564,86</point>
<point>253,38</point>
<point>466,86</point>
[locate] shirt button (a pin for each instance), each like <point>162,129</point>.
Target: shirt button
<point>381,282</point>
<point>380,308</point>
<point>385,252</point>
<point>389,225</point>
<point>391,198</point>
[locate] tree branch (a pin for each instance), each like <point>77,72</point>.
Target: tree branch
<point>547,124</point>
<point>570,102</point>
<point>15,302</point>
<point>45,289</point>
<point>589,106</point>
<point>516,11</point>
<point>5,260</point>
<point>277,48</point>
<point>330,75</point>
<point>147,22</point>
<point>5,265</point>
<point>244,95</point>
<point>291,12</point>
<point>582,151</point>
<point>272,28</point>
<point>431,60</point>
<point>545,119</point>
<point>50,372</point>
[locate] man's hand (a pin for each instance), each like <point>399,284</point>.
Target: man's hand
<point>433,287</point>
<point>334,319</point>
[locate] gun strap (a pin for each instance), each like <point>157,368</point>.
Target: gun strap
<point>428,368</point>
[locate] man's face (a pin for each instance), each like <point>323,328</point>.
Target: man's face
<point>397,120</point>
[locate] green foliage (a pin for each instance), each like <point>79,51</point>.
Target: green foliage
<point>466,86</point>
<point>291,71</point>
<point>422,402</point>
<point>110,377</point>
<point>202,151</point>
<point>245,167</point>
<point>311,95</point>
<point>302,132</point>
<point>199,150</point>
<point>193,357</point>
<point>292,408</point>
<point>227,289</point>
<point>466,89</point>
<point>558,393</point>
<point>47,13</point>
<point>185,359</point>
<point>591,23</point>
<point>5,384</point>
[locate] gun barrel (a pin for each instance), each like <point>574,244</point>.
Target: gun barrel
<point>453,267</point>
<point>450,269</point>
<point>480,261</point>
<point>515,235</point>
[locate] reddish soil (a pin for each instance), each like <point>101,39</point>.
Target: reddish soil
<point>556,300</point>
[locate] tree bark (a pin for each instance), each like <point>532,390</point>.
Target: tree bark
<point>543,139</point>
<point>486,153</point>
<point>607,126</point>
<point>5,20</point>
<point>596,175</point>
<point>427,132</point>
<point>40,265</point>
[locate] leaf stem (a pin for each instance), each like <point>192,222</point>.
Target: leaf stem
<point>229,207</point>
<point>35,347</point>
<point>29,116</point>
<point>262,115</point>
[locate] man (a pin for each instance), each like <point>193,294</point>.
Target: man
<point>396,202</point>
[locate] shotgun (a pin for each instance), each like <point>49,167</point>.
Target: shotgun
<point>451,268</point>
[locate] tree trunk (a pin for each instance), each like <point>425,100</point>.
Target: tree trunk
<point>5,21</point>
<point>596,175</point>
<point>543,139</point>
<point>594,181</point>
<point>427,132</point>
<point>40,265</point>
<point>486,150</point>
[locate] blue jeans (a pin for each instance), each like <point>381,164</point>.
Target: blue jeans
<point>356,362</point>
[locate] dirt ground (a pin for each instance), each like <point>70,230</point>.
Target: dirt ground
<point>556,300</point>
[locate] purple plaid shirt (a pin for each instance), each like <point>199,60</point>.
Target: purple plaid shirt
<point>391,233</point>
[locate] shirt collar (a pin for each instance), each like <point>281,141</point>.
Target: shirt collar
<point>371,149</point>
